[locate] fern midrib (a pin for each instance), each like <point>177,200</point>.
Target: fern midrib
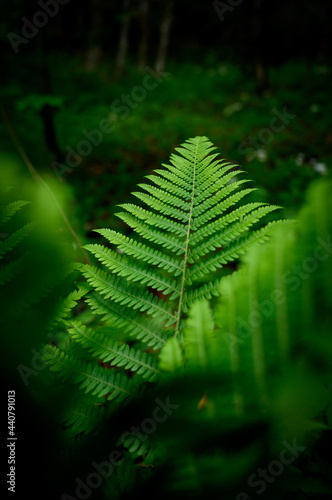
<point>106,382</point>
<point>185,257</point>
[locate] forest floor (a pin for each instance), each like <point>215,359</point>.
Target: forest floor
<point>282,138</point>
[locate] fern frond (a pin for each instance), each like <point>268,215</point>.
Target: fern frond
<point>130,295</point>
<point>217,208</point>
<point>156,220</point>
<point>66,304</point>
<point>92,378</point>
<point>122,267</point>
<point>143,252</point>
<point>206,291</point>
<point>10,270</point>
<point>14,239</point>
<point>153,235</point>
<point>191,212</point>
<point>162,207</point>
<point>144,329</point>
<point>9,210</point>
<point>110,351</point>
<point>83,417</point>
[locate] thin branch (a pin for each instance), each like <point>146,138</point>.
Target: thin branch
<point>39,179</point>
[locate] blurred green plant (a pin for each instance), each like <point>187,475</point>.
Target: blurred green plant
<point>264,353</point>
<point>35,265</point>
<point>37,101</point>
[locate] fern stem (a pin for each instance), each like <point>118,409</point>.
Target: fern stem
<point>185,258</point>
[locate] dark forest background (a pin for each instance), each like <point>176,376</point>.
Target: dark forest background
<point>226,68</point>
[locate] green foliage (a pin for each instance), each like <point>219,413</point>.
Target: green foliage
<point>167,117</point>
<point>268,339</point>
<point>281,298</point>
<point>35,270</point>
<point>244,357</point>
<point>22,248</point>
<point>109,351</point>
<point>91,378</point>
<point>190,229</point>
<point>36,102</point>
<point>8,242</point>
<point>182,244</point>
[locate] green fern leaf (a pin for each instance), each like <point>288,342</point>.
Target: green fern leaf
<point>84,416</point>
<point>91,377</point>
<point>143,252</point>
<point>9,210</point>
<point>14,239</point>
<point>144,329</point>
<point>110,351</point>
<point>146,276</point>
<point>10,270</point>
<point>190,213</point>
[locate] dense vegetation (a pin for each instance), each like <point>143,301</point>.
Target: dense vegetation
<point>177,345</point>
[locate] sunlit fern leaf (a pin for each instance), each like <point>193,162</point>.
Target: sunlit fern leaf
<point>190,212</point>
<point>141,328</point>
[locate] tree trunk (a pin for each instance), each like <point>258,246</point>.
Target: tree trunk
<point>93,53</point>
<point>47,111</point>
<point>123,42</point>
<point>165,30</point>
<point>143,11</point>
<point>260,67</point>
